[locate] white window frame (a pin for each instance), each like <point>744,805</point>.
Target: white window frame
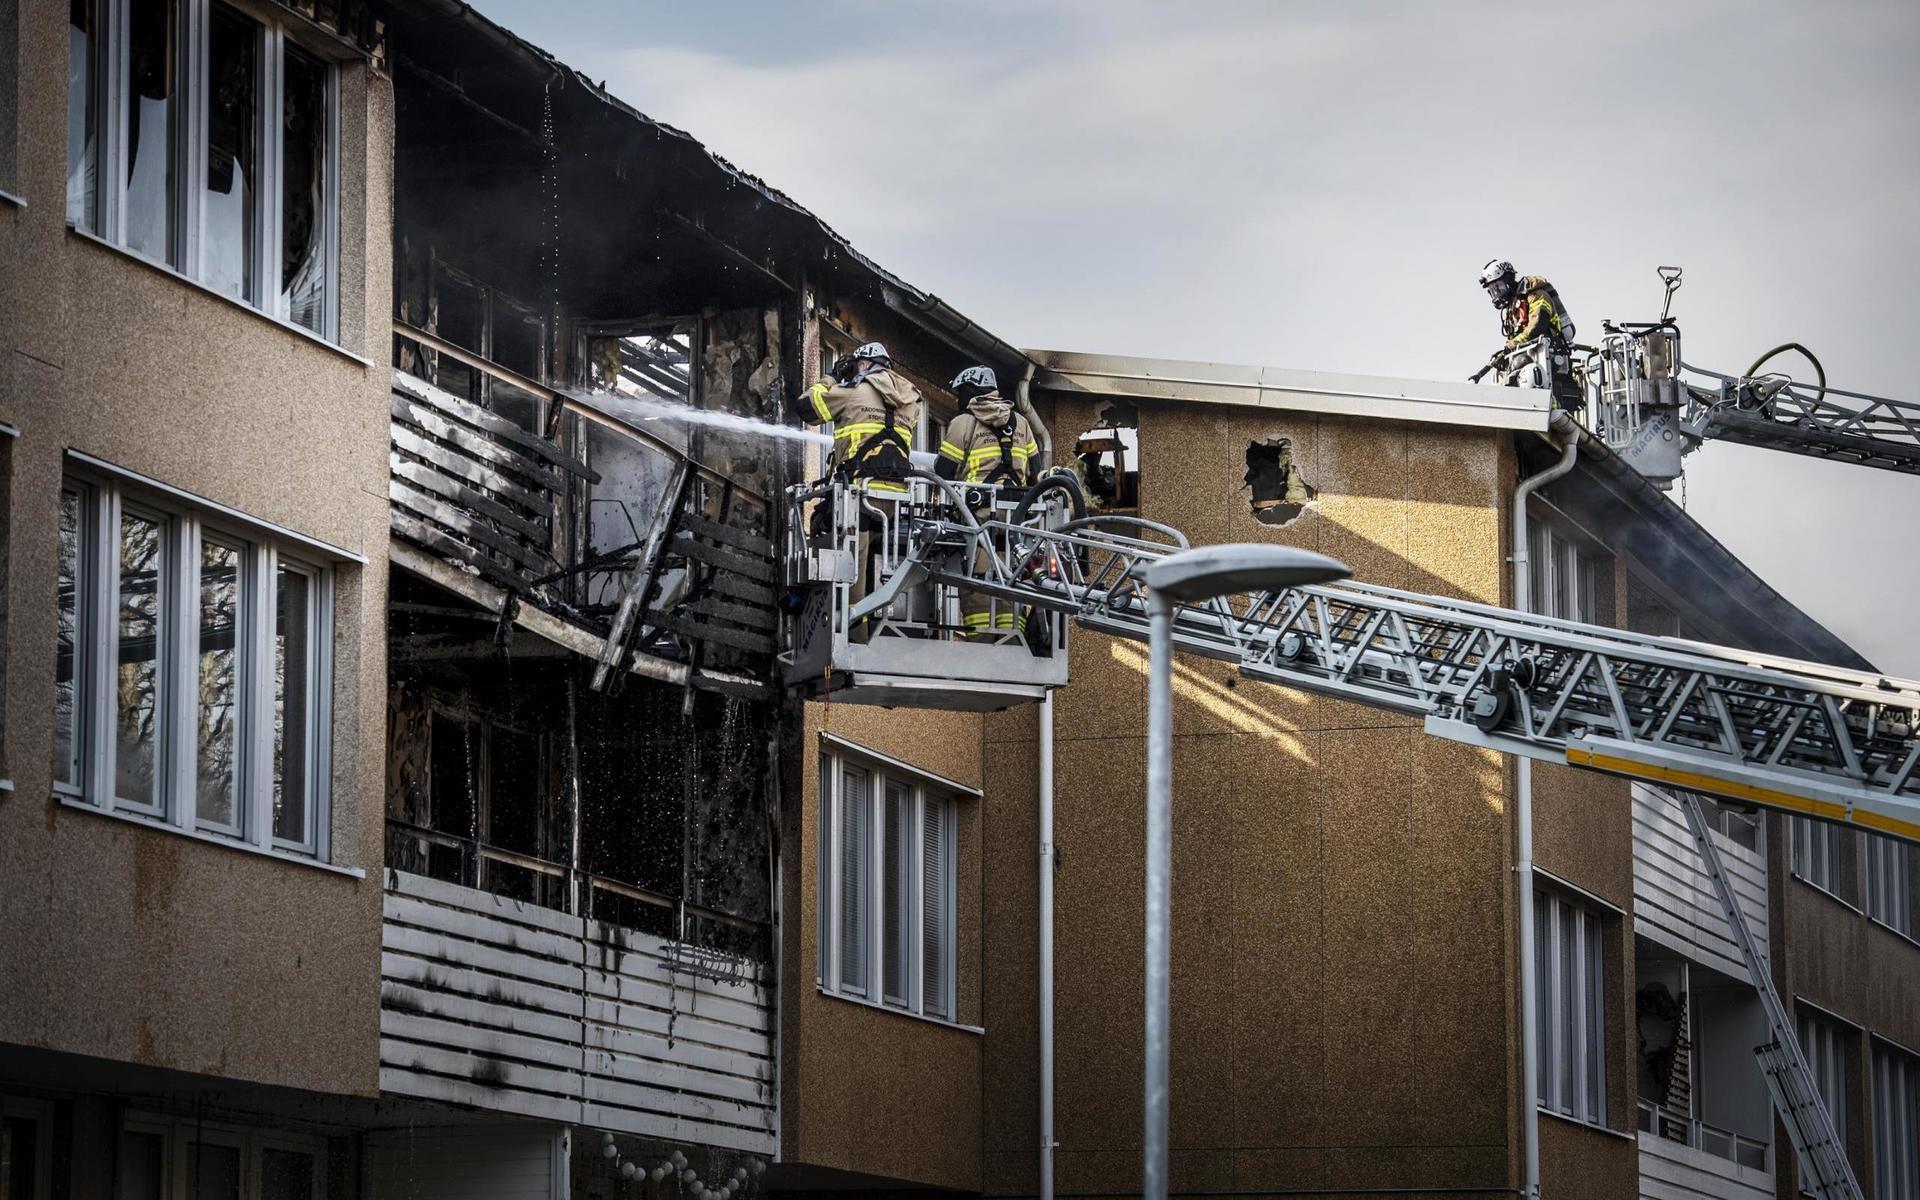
<point>177,1135</point>
<point>927,802</point>
<point>104,497</point>
<point>192,20</point>
<point>1555,553</point>
<point>1889,880</point>
<point>1576,998</point>
<point>1896,1121</point>
<point>1818,854</point>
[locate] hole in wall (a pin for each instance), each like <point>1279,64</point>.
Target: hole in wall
<point>1280,492</point>
<point>1107,459</point>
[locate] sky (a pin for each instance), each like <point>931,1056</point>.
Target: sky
<point>1316,185</point>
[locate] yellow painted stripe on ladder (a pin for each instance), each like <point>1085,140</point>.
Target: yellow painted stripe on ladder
<point>1742,791</point>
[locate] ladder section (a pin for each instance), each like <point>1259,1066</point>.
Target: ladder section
<point>1816,1144</point>
<point>1818,741</point>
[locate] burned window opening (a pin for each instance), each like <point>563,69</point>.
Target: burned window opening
<point>1107,459</point>
<point>507,773</point>
<point>1279,492</point>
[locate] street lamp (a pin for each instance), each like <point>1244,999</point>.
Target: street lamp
<point>1189,577</point>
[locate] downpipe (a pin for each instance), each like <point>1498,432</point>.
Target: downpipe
<point>1564,426</point>
<point>1023,402</point>
<point>1046,946</point>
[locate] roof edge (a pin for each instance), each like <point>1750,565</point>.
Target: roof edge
<point>1429,401</point>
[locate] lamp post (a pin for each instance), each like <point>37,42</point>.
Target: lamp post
<point>1188,577</point>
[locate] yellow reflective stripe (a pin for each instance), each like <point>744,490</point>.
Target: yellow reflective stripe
<point>1030,449</point>
<point>949,450</point>
<point>977,620</point>
<point>819,393</point>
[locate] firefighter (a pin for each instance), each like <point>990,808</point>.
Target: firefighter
<point>1529,306</point>
<point>873,411</point>
<point>988,443</point>
<point>1535,324</point>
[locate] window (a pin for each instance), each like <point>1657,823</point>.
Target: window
<point>485,320</point>
<point>9,95</point>
<point>203,140</point>
<point>192,1159</point>
<point>26,1149</point>
<point>1818,853</point>
<point>1571,1008</point>
<point>191,670</point>
<point>1889,883</point>
<point>886,889</point>
<point>1823,1043</point>
<point>1565,578</point>
<point>1896,1124</point>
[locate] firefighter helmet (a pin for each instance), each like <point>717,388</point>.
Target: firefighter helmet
<point>974,381</point>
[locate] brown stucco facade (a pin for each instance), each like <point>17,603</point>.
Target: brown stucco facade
<point>1342,906</point>
<point>125,941</point>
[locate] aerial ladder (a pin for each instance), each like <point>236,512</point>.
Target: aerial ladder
<point>1754,730</point>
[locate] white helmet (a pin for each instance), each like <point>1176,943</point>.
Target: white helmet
<point>974,381</point>
<point>875,352</point>
<point>1495,270</point>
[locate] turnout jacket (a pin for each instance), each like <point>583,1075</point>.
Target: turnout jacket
<point>1535,312</point>
<point>983,439</point>
<point>863,444</point>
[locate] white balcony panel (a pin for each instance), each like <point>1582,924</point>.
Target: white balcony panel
<point>1671,1171</point>
<point>519,1009</point>
<point>1673,900</point>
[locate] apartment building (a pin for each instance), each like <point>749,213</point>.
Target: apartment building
<point>194,269</point>
<point>404,797</point>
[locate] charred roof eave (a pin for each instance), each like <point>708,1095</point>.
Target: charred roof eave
<point>1661,534</point>
<point>780,224</point>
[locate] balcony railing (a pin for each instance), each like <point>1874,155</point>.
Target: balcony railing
<point>1694,1133</point>
<point>519,1009</point>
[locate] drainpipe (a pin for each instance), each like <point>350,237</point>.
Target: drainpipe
<point>1025,405</point>
<point>1523,821</point>
<point>1046,941</point>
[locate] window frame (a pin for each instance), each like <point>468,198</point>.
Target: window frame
<point>927,800</point>
<point>1578,1004</point>
<point>189,140</point>
<point>40,1112</point>
<point>1816,855</point>
<point>104,499</point>
<point>1557,547</point>
<point>1888,877</point>
<point>177,1135</point>
<point>1896,1093</point>
<point>1823,1042</point>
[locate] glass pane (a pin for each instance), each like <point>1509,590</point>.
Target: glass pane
<point>1539,566</point>
<point>19,1158</point>
<point>894,894</point>
<point>515,801</point>
<point>855,880</point>
<point>1570,1037</point>
<point>823,867</point>
<point>936,912</point>
<point>1596,1050</point>
<point>150,122</point>
<point>459,316</point>
<point>142,1166</point>
<point>67,658</point>
<point>219,699</point>
<point>82,157</point>
<point>1543,994</point>
<point>213,1172</point>
<point>137,707</point>
<point>292,692</point>
<point>286,1174</point>
<point>233,72</point>
<point>304,209</point>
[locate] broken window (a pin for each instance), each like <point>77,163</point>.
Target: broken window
<point>1107,458</point>
<point>128,560</point>
<point>137,71</point>
<point>1279,491</point>
<point>486,321</point>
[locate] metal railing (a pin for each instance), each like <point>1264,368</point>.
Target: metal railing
<point>1736,1148</point>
